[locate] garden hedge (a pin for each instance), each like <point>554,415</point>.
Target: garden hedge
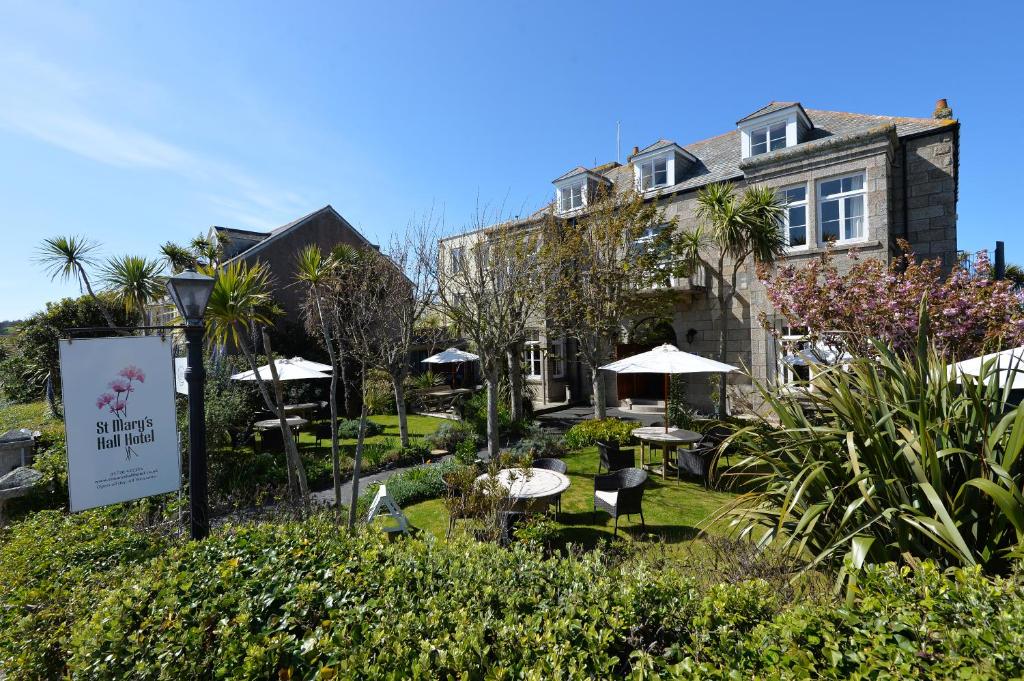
<point>84,598</point>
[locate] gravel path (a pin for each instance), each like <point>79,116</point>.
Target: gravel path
<point>326,497</point>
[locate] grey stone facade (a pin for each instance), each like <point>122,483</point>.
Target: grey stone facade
<point>910,176</point>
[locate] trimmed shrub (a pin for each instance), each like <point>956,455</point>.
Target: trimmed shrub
<point>56,568</point>
<point>348,429</point>
<point>587,433</point>
<point>83,598</point>
<point>449,435</point>
<point>541,443</point>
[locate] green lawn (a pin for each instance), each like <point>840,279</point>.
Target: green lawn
<point>34,416</point>
<point>673,510</point>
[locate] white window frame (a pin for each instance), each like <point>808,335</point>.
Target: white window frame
<point>457,260</point>
<point>556,353</point>
<point>841,198</point>
<point>649,172</point>
<point>795,339</point>
<point>784,225</point>
<point>568,195</point>
<point>768,138</point>
<point>533,357</point>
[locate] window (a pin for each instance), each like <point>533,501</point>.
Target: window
<point>793,360</point>
<point>457,261</point>
<point>768,138</point>
<point>571,197</point>
<point>533,358</point>
<point>794,216</point>
<point>556,355</point>
<point>841,209</point>
<point>653,173</point>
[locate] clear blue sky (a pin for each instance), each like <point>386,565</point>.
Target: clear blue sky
<point>135,123</point>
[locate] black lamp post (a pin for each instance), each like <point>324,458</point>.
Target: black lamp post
<point>190,292</point>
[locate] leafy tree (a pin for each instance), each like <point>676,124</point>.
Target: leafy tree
<point>32,351</point>
<point>313,270</point>
<point>133,281</point>
<point>66,257</point>
<point>240,308</point>
<point>738,228</point>
<point>592,266</point>
<point>971,313</point>
<point>488,290</point>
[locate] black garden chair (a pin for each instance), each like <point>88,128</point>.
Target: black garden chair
<point>620,493</point>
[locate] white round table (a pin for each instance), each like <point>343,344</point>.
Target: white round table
<point>654,436</point>
<point>293,421</point>
<point>528,490</point>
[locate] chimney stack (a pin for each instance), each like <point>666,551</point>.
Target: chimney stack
<point>942,109</point>
<point>636,150</point>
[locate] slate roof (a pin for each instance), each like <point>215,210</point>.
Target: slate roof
<point>718,158</point>
<point>770,107</point>
<point>660,144</point>
<point>277,233</point>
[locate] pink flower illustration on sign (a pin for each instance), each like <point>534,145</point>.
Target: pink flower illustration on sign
<point>122,387</point>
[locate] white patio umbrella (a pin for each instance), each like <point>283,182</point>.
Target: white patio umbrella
<point>451,356</point>
<point>1009,364</point>
<point>310,364</point>
<point>287,370</point>
<point>668,359</point>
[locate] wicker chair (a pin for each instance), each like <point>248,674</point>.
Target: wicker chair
<point>321,432</point>
<point>614,457</point>
<point>558,466</point>
<point>695,461</point>
<point>620,493</point>
<point>271,440</point>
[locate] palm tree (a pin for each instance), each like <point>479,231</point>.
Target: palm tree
<point>313,270</point>
<point>740,228</point>
<point>65,257</point>
<point>134,281</point>
<point>239,305</point>
<point>178,257</point>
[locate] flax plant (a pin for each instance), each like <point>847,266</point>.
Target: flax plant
<point>897,458</point>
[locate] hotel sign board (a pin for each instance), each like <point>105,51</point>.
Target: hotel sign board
<point>119,419</point>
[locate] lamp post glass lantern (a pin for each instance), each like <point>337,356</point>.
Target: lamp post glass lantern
<point>190,292</point>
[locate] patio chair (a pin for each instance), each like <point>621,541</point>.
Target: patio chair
<point>695,461</point>
<point>508,520</point>
<point>558,466</point>
<point>620,493</point>
<point>613,457</point>
<point>321,432</point>
<point>271,440</point>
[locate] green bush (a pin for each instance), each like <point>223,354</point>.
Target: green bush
<point>83,598</point>
<point>449,435</point>
<point>587,433</point>
<point>410,486</point>
<point>348,429</point>
<point>379,393</point>
<point>897,458</point>
<point>56,568</point>
<point>31,353</point>
<point>539,442</point>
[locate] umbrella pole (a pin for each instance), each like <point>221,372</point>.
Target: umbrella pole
<point>666,402</point>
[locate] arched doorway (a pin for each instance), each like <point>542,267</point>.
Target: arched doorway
<point>642,336</point>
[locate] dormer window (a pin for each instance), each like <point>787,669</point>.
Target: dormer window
<point>773,127</point>
<point>654,173</point>
<point>571,197</point>
<point>661,164</point>
<point>768,138</point>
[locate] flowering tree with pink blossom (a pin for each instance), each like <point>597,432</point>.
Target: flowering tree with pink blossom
<point>971,313</point>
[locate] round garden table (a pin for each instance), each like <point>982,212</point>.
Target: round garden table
<point>656,436</point>
<point>293,421</point>
<point>533,491</point>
